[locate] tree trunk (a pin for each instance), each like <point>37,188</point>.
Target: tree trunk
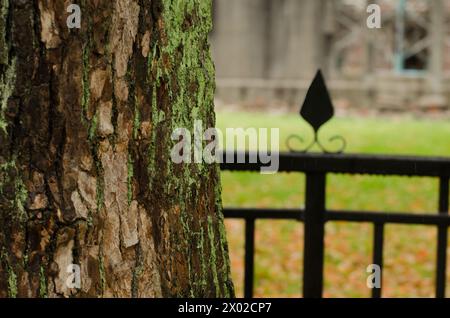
<point>85,137</point>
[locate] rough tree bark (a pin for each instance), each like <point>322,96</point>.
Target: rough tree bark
<point>85,136</point>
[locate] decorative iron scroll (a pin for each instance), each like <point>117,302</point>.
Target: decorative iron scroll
<point>317,109</point>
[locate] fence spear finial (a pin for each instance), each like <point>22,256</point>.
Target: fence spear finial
<point>317,109</point>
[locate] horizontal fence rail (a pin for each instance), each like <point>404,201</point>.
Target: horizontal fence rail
<point>315,215</point>
<point>346,163</point>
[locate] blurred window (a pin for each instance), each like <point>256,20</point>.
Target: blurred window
<point>411,40</point>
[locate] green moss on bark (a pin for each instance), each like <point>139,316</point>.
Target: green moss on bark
<point>11,275</point>
<point>20,200</point>
<point>4,8</point>
<point>213,259</point>
<point>12,283</point>
<point>7,84</point>
<point>42,283</point>
<point>101,272</point>
<point>181,73</point>
<point>85,86</point>
<point>130,179</point>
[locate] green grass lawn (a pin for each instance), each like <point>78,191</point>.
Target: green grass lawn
<point>409,250</point>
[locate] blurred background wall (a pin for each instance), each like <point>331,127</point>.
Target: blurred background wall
<point>267,52</point>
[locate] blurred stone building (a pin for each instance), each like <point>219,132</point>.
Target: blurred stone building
<point>267,52</point>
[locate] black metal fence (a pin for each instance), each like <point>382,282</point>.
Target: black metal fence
<point>315,215</point>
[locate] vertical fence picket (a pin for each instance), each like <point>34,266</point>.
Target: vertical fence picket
<point>249,257</point>
<point>378,243</point>
<point>441,259</point>
<point>314,225</point>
